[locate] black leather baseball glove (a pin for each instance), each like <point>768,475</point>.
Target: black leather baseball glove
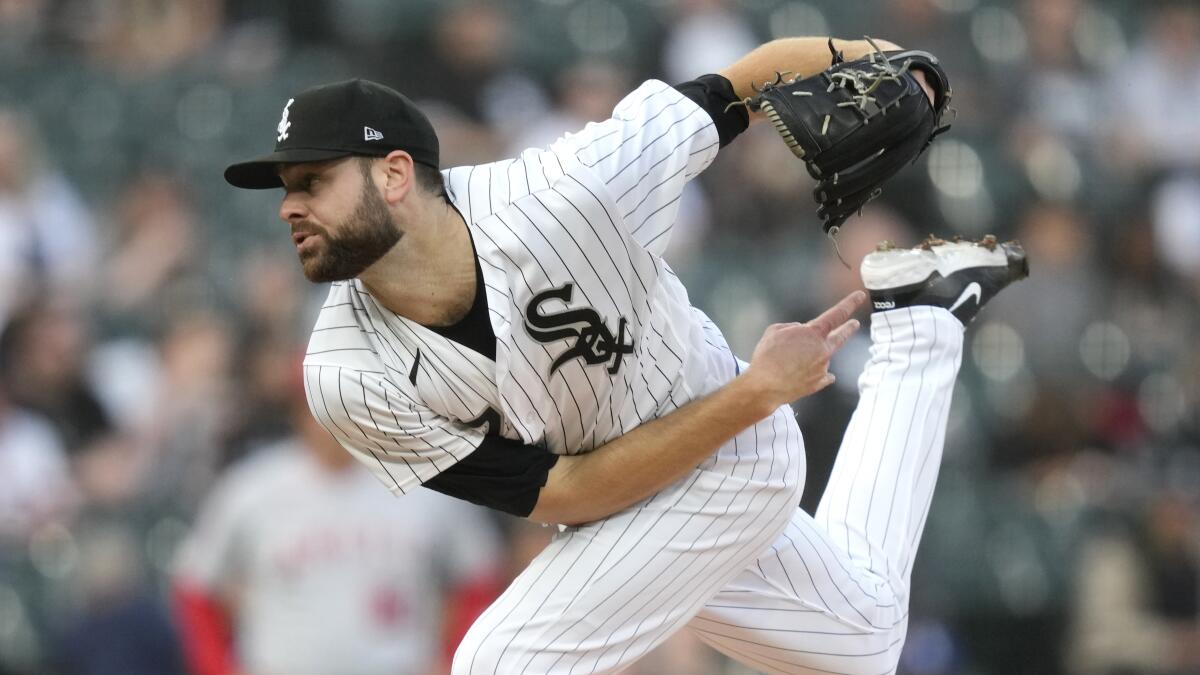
<point>857,123</point>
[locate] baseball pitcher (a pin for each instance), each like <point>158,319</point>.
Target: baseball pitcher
<point>511,335</point>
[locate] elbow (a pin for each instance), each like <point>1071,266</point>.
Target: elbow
<point>561,501</point>
<point>554,508</point>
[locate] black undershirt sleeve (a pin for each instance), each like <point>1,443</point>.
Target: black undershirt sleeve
<point>714,93</point>
<point>501,474</point>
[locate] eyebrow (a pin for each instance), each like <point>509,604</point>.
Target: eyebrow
<point>299,180</point>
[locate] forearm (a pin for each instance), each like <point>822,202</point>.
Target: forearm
<point>803,56</point>
<point>587,487</point>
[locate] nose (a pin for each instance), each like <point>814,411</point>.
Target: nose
<point>292,208</point>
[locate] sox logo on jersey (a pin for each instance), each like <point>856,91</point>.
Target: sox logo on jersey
<point>594,342</point>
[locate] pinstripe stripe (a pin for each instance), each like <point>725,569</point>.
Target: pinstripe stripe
<point>891,558</point>
<point>772,629</point>
<point>650,169</point>
<point>684,579</point>
<point>695,113</point>
<point>366,438</point>
<point>690,578</point>
<point>772,664</point>
<point>934,450</point>
<point>883,444</point>
<point>632,547</point>
<point>874,402</point>
<point>633,133</point>
<point>813,652</point>
<point>513,606</point>
<point>730,567</point>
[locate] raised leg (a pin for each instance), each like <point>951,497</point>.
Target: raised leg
<point>831,594</point>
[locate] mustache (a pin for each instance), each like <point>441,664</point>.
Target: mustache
<point>308,229</point>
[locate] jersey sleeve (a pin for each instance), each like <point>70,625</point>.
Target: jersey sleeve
<point>656,141</point>
<point>402,441</point>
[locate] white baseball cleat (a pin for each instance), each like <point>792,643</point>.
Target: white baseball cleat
<point>960,276</point>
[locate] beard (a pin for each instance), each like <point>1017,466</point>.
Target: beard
<point>364,237</point>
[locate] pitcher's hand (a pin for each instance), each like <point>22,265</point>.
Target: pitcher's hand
<point>792,359</point>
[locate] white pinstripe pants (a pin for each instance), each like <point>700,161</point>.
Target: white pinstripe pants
<point>727,554</point>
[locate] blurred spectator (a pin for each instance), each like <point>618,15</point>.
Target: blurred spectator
<point>121,628</point>
<point>262,416</point>
<point>153,268</point>
<point>1176,227</point>
<point>469,74</point>
<point>1061,94</point>
<point>1051,309</point>
<point>1056,424</point>
<point>42,359</point>
<point>1138,596</point>
<point>142,38</point>
<point>704,37</point>
<point>272,296</point>
<point>1057,98</point>
<point>47,235</point>
<point>21,26</point>
<point>586,92</point>
<point>300,562</point>
<point>35,484</point>
<point>1165,65</point>
<point>762,192</point>
<point>193,407</point>
<point>272,321</point>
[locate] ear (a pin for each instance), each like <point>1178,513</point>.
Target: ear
<point>399,179</point>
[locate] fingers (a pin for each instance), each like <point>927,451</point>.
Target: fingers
<point>839,335</point>
<point>825,381</point>
<point>839,314</point>
<point>919,76</point>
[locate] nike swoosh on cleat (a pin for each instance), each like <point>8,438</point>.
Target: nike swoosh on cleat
<point>973,290</point>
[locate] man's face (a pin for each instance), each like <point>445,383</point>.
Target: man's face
<point>340,223</point>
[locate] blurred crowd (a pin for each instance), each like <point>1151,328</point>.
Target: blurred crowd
<point>166,505</point>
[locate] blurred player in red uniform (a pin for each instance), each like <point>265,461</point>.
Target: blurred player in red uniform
<point>298,565</point>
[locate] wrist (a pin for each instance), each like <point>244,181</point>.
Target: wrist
<point>857,49</point>
<point>753,395</point>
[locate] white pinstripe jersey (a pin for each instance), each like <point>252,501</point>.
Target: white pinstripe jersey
<point>595,334</point>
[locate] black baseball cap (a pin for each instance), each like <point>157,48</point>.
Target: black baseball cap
<point>353,117</point>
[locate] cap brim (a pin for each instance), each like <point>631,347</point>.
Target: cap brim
<point>261,173</point>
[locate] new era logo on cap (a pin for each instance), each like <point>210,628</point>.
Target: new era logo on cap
<point>370,134</point>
